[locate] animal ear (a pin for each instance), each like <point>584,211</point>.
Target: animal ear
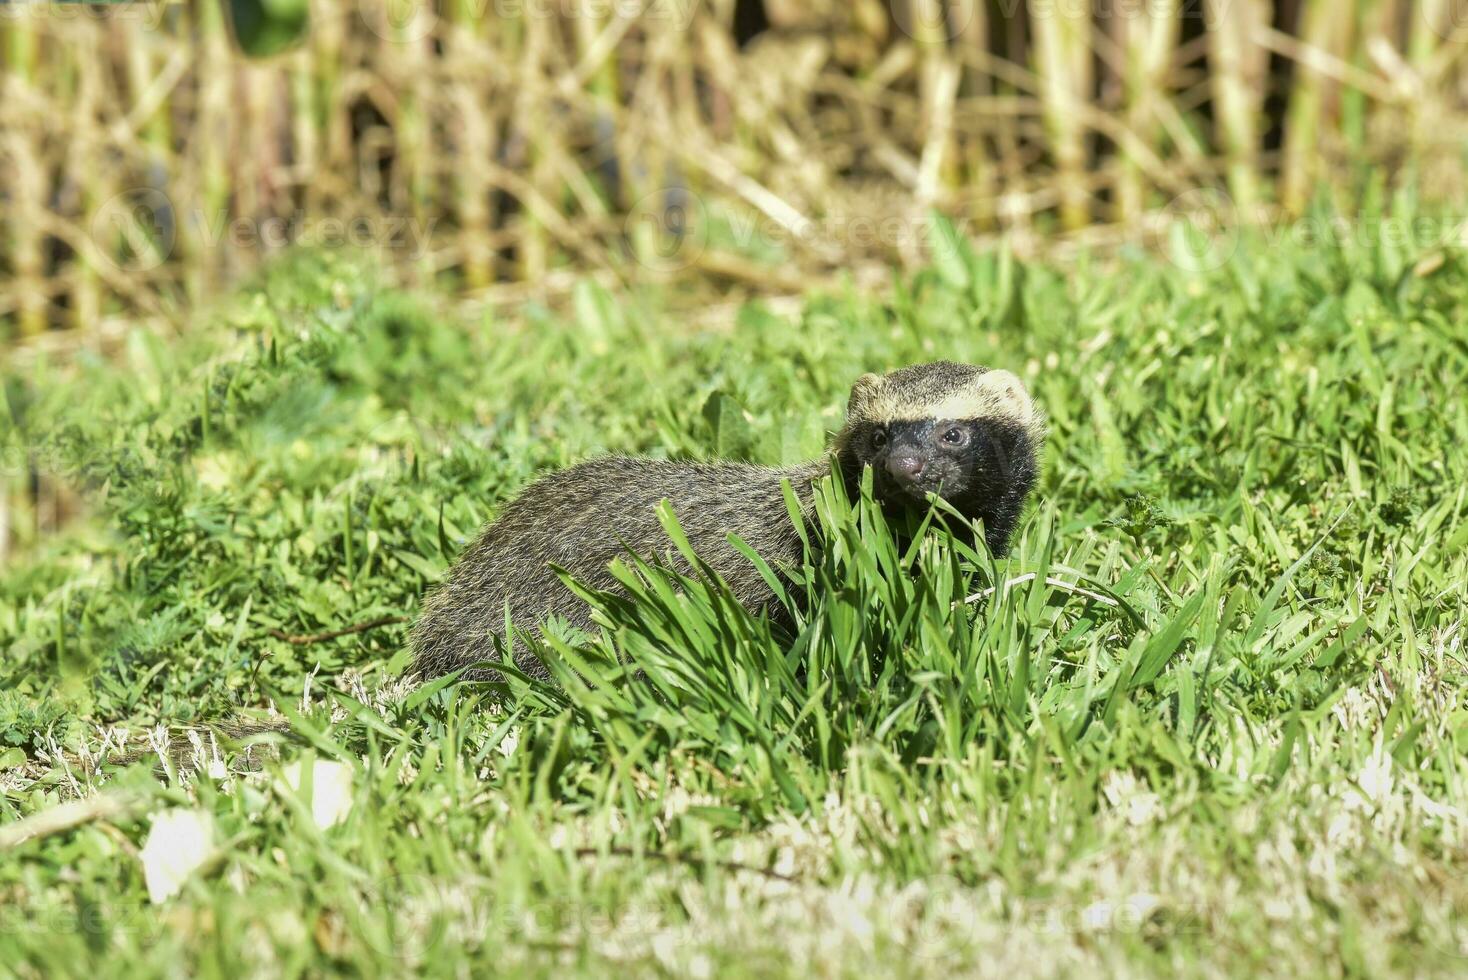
<point>1007,393</point>
<point>862,392</point>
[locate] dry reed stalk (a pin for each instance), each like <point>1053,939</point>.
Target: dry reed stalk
<point>938,79</point>
<point>1425,38</point>
<point>978,173</point>
<point>209,141</point>
<point>1063,62</point>
<point>523,153</point>
<point>1320,29</point>
<point>7,490</point>
<point>411,129</point>
<point>325,60</point>
<point>1148,35</point>
<point>305,116</point>
<point>1427,31</point>
<point>257,150</point>
<point>27,176</point>
<point>96,190</point>
<point>472,119</point>
<point>1237,66</point>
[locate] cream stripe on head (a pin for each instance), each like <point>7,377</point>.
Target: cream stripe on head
<point>943,390</point>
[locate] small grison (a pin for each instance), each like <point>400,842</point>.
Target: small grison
<point>966,433</point>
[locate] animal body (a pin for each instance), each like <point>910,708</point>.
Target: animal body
<point>966,433</point>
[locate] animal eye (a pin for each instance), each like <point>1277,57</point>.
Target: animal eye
<point>955,436</point>
<point>879,438</point>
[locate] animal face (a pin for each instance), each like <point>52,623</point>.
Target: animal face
<point>956,459</point>
<point>963,432</point>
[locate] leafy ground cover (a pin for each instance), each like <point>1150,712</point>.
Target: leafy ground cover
<point>1206,718</point>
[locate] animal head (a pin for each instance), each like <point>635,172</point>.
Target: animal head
<point>967,433</point>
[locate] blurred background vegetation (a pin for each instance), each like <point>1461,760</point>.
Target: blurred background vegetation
<point>502,149</point>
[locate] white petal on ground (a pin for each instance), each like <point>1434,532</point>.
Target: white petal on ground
<point>331,790</point>
<point>178,843</point>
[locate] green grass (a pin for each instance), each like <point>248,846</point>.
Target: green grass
<point>1252,762</point>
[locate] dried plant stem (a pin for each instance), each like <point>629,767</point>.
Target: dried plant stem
<point>1237,68</point>
<point>1051,581</point>
<point>27,178</point>
<point>1429,18</point>
<point>1149,36</point>
<point>210,141</point>
<point>1063,58</point>
<point>107,805</point>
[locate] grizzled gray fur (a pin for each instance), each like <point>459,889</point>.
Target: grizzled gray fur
<point>967,433</point>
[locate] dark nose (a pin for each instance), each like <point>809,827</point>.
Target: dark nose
<point>905,466</point>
